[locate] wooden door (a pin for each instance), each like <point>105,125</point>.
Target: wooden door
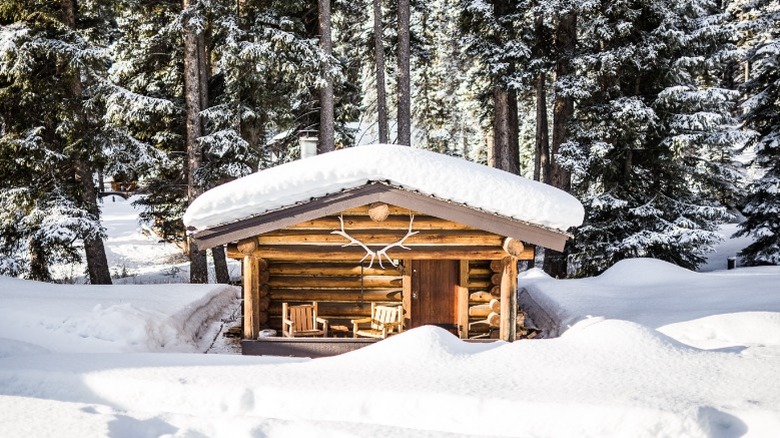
<point>434,293</point>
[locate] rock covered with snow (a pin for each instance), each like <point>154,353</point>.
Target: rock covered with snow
<point>429,173</point>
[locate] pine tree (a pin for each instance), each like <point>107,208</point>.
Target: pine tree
<point>642,198</point>
<point>58,48</point>
<point>762,115</point>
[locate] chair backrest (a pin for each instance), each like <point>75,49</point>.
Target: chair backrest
<point>384,314</point>
<point>302,317</point>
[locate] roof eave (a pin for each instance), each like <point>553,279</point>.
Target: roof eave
<point>335,203</point>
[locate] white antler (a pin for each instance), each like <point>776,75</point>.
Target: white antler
<point>400,244</point>
<point>353,241</point>
<point>382,252</point>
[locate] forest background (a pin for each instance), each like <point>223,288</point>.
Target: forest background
<point>661,116</point>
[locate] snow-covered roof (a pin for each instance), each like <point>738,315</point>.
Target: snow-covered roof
<point>444,177</point>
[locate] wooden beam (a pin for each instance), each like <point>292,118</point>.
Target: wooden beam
<point>355,254</point>
<point>379,238</point>
<point>406,284</point>
<point>378,211</point>
<point>344,295</point>
<point>463,300</point>
<point>401,223</point>
<point>513,247</point>
<point>329,269</point>
<point>368,281</point>
<point>508,327</point>
<point>251,297</point>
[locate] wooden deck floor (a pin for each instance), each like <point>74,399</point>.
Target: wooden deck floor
<point>311,347</point>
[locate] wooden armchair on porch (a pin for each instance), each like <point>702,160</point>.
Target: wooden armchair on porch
<point>302,321</point>
<point>384,321</point>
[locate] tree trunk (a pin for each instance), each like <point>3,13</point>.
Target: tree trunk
<point>555,263</point>
<point>326,134</point>
<point>504,153</point>
<point>542,137</point>
<point>97,264</point>
<point>379,53</point>
<point>220,264</point>
<point>563,109</point>
<point>404,80</point>
<point>193,49</point>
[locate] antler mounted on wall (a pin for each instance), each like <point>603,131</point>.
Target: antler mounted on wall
<point>374,255</point>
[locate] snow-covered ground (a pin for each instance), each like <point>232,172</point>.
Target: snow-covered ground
<point>648,350</point>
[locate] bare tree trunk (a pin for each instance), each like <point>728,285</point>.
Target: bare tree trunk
<point>505,153</point>
<point>379,53</point>
<point>326,134</point>
<point>404,80</point>
<point>542,136</point>
<point>563,109</point>
<point>555,263</point>
<point>220,264</point>
<point>193,49</point>
<point>97,264</point>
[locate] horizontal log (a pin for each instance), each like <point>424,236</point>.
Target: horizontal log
<point>513,247</point>
<point>343,295</point>
<point>480,310</point>
<point>380,238</point>
<point>329,269</point>
<point>495,279</point>
<point>492,320</point>
<point>264,276</point>
<point>483,310</point>
<point>495,305</point>
<point>351,253</point>
<point>479,272</point>
<point>262,318</point>
<point>393,222</point>
<point>264,290</point>
<point>477,284</point>
<point>392,210</point>
<point>480,297</point>
<point>496,266</point>
<point>369,281</point>
<point>263,303</point>
<point>332,309</point>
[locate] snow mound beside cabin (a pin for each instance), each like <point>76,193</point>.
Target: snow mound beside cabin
<point>86,318</point>
<point>656,294</point>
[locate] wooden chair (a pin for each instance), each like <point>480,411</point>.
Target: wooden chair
<point>384,321</point>
<point>301,321</point>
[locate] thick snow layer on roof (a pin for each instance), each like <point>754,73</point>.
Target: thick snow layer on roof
<point>445,177</point>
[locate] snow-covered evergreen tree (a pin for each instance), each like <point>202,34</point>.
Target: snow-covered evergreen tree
<point>53,135</point>
<point>639,130</point>
<point>760,20</point>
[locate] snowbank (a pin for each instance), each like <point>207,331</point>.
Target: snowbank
<point>611,378</point>
<point>81,318</point>
<point>445,177</point>
<point>710,307</point>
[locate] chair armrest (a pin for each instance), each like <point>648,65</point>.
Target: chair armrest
<point>322,320</point>
<point>287,321</point>
<point>361,320</point>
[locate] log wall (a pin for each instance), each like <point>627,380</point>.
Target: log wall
<point>307,262</point>
<point>342,292</point>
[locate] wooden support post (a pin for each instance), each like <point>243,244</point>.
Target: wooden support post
<point>463,300</point>
<point>406,285</point>
<point>251,297</point>
<point>508,328</point>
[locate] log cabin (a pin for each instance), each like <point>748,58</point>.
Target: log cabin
<point>438,235</point>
